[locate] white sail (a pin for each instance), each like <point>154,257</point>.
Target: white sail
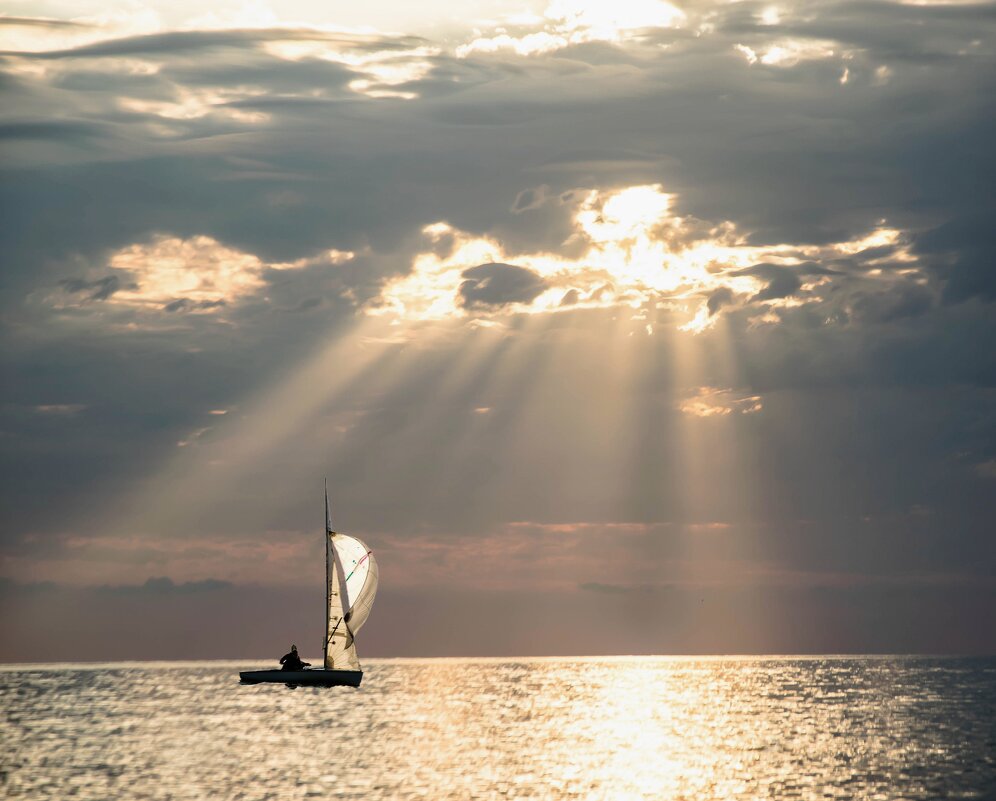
<point>340,652</point>
<point>351,576</point>
<point>360,570</point>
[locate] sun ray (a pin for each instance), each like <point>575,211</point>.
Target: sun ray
<point>407,445</point>
<point>507,393</point>
<point>198,478</point>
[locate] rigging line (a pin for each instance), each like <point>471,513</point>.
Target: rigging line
<point>335,629</point>
<point>349,632</point>
<point>358,565</point>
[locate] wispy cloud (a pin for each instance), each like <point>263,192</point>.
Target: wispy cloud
<point>714,402</point>
<point>60,408</point>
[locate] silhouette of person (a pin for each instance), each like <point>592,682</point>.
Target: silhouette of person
<point>292,661</point>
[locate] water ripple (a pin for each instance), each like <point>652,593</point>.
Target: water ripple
<point>622,728</point>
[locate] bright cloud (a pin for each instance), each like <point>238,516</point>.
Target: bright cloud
<point>631,248</point>
<point>38,34</point>
<point>379,69</point>
<point>569,22</point>
<point>713,402</point>
<point>636,250</point>
<point>168,273</point>
<point>190,104</point>
<point>200,271</point>
<point>787,52</point>
<point>607,20</point>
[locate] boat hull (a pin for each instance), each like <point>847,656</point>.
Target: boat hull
<point>314,678</point>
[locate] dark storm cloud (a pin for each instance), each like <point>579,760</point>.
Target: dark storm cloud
<point>965,251</point>
<point>885,306</point>
<point>185,304</point>
<point>99,289</point>
<point>781,281</point>
<point>527,199</point>
<point>499,285</point>
<point>876,388</point>
<point>718,299</point>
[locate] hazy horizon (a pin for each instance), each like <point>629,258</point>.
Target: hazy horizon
<point>244,662</point>
<point>628,327</point>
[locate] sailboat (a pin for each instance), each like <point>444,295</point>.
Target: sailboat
<point>350,586</point>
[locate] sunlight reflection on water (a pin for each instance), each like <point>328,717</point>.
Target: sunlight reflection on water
<point>614,728</point>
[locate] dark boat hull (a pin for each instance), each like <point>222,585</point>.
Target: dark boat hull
<point>314,678</point>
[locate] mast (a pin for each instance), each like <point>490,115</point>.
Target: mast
<point>328,531</point>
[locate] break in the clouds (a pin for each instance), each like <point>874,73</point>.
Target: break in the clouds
<point>632,251</point>
<point>579,305</point>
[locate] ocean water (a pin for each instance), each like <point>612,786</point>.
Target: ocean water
<point>613,728</point>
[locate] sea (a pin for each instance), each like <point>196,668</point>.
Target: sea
<point>553,728</point>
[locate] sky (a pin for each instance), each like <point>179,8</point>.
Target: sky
<point>616,327</point>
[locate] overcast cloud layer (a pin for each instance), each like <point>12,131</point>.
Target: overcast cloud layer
<point>677,322</point>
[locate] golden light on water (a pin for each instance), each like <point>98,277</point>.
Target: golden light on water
<point>617,729</point>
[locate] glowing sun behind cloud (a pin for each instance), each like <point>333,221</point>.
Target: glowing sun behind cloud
<point>571,22</point>
<point>632,250</point>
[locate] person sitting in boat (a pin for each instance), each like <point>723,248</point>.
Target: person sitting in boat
<point>292,661</point>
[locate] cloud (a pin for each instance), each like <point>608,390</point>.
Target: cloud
<point>98,289</point>
<point>899,303</point>
<point>38,33</point>
<point>369,64</point>
<point>198,275</point>
<point>618,589</point>
<point>529,199</point>
<point>781,281</point>
<point>60,408</point>
<point>9,586</point>
<point>193,437</point>
<point>489,285</point>
<point>173,42</point>
<point>713,402</point>
<point>41,22</point>
<point>567,23</point>
<point>164,585</point>
<point>986,469</point>
<point>718,299</point>
<point>962,250</point>
<point>185,304</point>
<point>629,248</point>
<point>50,130</point>
<point>788,52</point>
